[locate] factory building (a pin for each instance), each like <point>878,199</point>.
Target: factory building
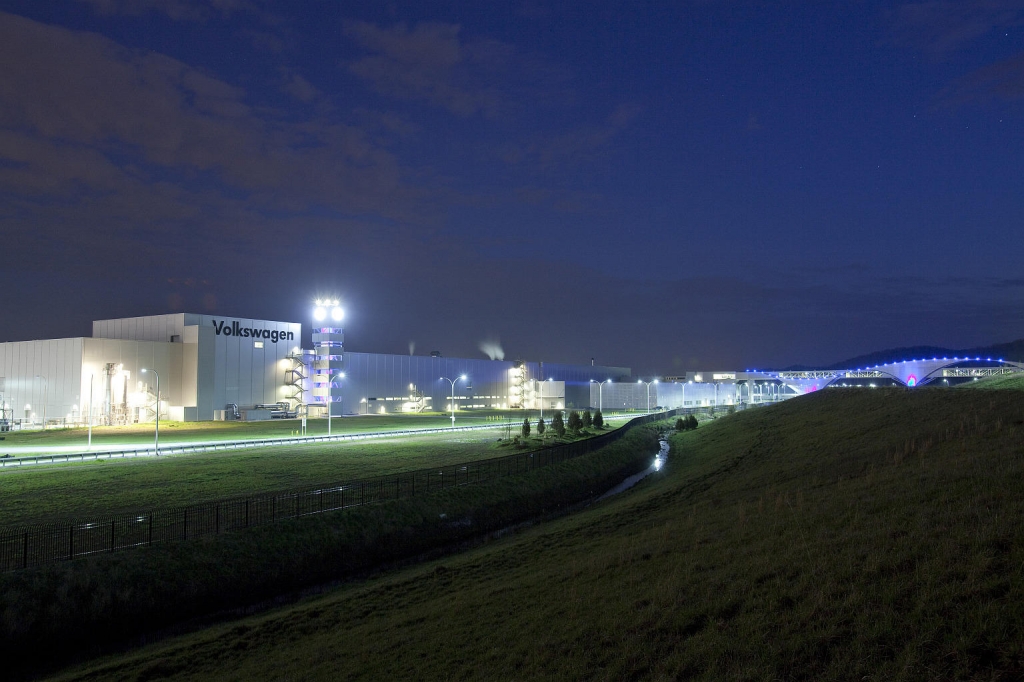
<point>219,367</point>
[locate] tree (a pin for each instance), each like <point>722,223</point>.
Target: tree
<point>587,419</point>
<point>541,427</point>
<point>575,422</point>
<point>599,419</point>
<point>681,424</point>
<point>558,424</point>
<point>526,428</point>
<point>692,421</point>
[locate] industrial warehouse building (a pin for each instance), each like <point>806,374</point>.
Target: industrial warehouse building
<point>216,367</point>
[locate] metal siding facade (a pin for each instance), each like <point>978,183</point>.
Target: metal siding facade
<point>380,376</point>
<point>23,364</point>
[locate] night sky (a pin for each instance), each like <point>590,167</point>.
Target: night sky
<point>661,185</point>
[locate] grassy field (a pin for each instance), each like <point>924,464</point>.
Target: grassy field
<point>96,490</point>
<point>851,534</point>
<point>76,607</point>
<point>275,428</point>
<point>233,430</point>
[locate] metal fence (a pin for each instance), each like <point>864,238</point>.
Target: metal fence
<point>34,546</point>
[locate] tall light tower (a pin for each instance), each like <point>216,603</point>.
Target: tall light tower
<point>328,358</point>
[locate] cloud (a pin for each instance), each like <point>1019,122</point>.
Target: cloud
<point>576,147</point>
<point>1003,80</point>
<point>178,10</point>
<point>940,27</point>
<point>428,62</point>
<point>127,116</point>
<point>298,87</point>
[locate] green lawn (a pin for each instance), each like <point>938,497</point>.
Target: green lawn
<point>232,430</point>
<point>186,432</point>
<point>854,534</point>
<point>96,490</point>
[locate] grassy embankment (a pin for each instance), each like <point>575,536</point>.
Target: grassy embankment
<point>76,606</point>
<point>93,491</point>
<point>851,534</point>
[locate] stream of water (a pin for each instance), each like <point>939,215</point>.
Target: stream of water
<point>659,461</point>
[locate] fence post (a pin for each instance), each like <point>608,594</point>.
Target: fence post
<point>111,535</point>
<point>273,508</point>
<point>247,512</point>
<point>24,562</point>
<point>216,518</point>
<point>71,541</point>
<point>150,529</point>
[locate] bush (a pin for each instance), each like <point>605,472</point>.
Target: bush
<point>681,424</point>
<point>541,427</point>
<point>599,419</point>
<point>691,422</point>
<point>575,422</point>
<point>526,428</point>
<point>558,424</point>
<point>587,419</point>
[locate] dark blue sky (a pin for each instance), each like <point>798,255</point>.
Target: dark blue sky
<point>659,185</point>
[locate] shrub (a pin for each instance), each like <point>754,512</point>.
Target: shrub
<point>587,419</point>
<point>541,427</point>
<point>526,428</point>
<point>599,419</point>
<point>681,424</point>
<point>558,424</point>
<point>575,422</point>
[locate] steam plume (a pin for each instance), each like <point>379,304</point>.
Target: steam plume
<point>492,349</point>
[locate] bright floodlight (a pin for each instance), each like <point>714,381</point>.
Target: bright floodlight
<point>463,377</point>
<point>319,313</point>
<point>337,313</point>
<point>143,370</point>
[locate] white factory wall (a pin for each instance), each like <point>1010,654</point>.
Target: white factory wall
<point>129,358</point>
<point>38,373</point>
<point>234,360</point>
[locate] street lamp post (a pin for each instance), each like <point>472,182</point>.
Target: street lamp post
<point>600,393</point>
<point>648,383</point>
<point>452,382</point>
<point>45,386</point>
<point>156,436</point>
<point>91,398</point>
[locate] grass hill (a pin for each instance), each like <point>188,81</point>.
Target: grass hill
<point>854,534</point>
